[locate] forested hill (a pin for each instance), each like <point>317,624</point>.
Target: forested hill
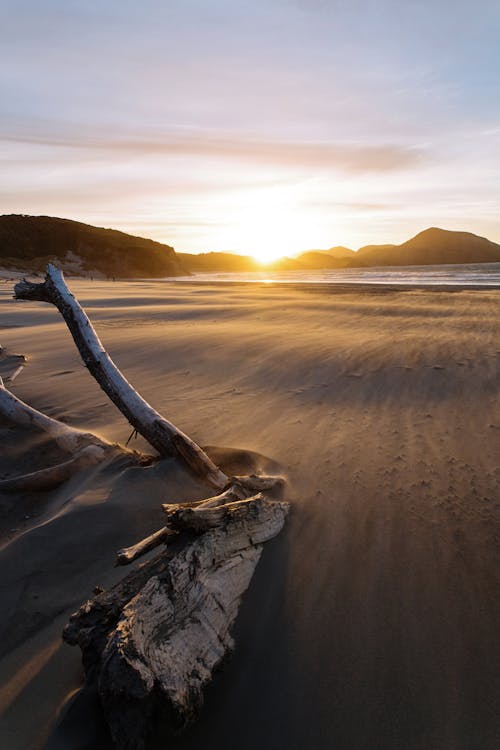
<point>30,242</point>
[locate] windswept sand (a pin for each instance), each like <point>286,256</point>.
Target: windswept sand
<point>372,622</point>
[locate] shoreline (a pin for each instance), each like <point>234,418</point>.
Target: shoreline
<point>340,287</point>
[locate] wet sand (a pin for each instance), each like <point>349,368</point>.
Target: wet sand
<point>372,621</point>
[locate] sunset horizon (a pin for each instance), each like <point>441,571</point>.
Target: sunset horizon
<point>266,255</point>
<point>216,127</point>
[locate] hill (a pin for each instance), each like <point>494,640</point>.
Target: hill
<point>431,247</point>
<point>368,251</point>
<point>30,242</point>
<point>232,263</point>
<point>339,251</point>
<point>318,259</point>
<point>218,263</point>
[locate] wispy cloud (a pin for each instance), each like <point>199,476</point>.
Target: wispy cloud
<point>350,156</point>
<point>209,125</point>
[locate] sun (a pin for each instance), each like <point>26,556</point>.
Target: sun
<point>270,227</point>
<point>267,254</point>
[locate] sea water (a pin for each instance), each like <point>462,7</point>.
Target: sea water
<point>469,274</point>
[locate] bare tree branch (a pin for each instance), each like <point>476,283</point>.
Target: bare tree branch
<point>167,439</point>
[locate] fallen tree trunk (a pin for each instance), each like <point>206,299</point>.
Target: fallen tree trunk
<point>167,439</point>
<point>153,646</point>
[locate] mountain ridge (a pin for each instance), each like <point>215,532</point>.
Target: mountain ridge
<point>433,246</point>
<point>30,242</point>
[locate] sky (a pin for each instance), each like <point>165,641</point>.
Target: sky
<point>264,127</point>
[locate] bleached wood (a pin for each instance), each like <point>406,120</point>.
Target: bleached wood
<point>233,492</point>
<point>69,439</point>
<point>11,365</point>
<point>155,640</point>
<point>199,515</point>
<point>46,479</point>
<point>160,433</point>
<point>241,487</point>
<point>202,518</point>
<point>16,372</point>
<point>127,555</point>
<point>259,483</point>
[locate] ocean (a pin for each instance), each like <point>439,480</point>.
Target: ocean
<point>470,275</point>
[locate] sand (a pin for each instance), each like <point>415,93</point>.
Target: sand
<point>372,621</point>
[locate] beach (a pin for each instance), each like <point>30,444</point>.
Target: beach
<point>372,621</point>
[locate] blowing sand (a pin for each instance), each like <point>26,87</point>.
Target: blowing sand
<point>372,622</point>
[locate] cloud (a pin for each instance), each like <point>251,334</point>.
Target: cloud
<point>354,157</point>
<point>325,204</point>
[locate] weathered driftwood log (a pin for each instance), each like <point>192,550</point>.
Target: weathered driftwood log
<point>69,439</point>
<point>160,433</point>
<point>53,476</point>
<point>85,448</point>
<point>201,518</point>
<point>240,489</point>
<point>167,439</point>
<point>153,642</point>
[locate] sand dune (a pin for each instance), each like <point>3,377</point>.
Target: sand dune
<point>372,621</point>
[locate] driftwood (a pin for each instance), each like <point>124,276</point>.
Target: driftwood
<point>53,476</point>
<point>236,491</point>
<point>167,439</point>
<point>84,448</point>
<point>127,555</point>
<point>68,439</point>
<point>151,642</point>
<point>11,365</point>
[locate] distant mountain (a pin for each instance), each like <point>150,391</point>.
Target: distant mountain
<point>368,250</point>
<point>431,247</point>
<point>233,263</point>
<point>30,242</point>
<point>317,260</point>
<point>339,251</point>
<point>218,263</point>
<point>287,264</point>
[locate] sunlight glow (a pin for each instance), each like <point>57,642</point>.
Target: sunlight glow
<point>271,224</point>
